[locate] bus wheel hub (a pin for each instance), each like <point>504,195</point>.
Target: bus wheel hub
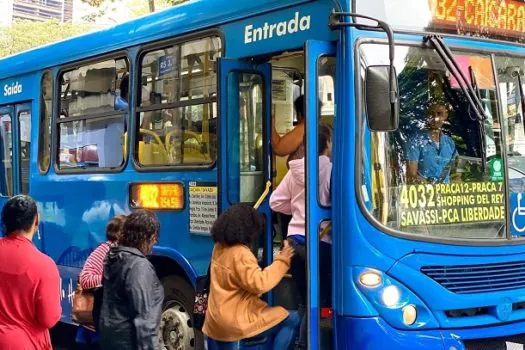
<point>175,330</point>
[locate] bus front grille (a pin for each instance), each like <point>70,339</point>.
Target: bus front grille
<point>467,279</point>
<point>514,342</point>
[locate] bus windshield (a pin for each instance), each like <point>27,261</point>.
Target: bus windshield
<point>429,177</point>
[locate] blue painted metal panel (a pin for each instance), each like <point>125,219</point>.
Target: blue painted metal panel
<point>314,212</point>
<point>19,88</point>
<point>277,31</point>
<point>362,244</point>
<point>374,333</point>
<point>184,18</point>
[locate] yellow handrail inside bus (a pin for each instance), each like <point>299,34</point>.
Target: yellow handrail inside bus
<point>263,195</point>
<point>325,230</point>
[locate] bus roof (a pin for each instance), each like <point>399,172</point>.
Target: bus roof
<point>184,18</point>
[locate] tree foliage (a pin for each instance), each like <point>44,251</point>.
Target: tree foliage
<point>24,35</point>
<point>137,8</point>
<point>151,3</point>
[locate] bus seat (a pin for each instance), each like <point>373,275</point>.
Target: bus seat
<point>88,154</point>
<point>281,168</point>
<point>193,148</point>
<point>152,153</point>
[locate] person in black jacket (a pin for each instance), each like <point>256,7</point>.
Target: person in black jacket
<point>132,294</point>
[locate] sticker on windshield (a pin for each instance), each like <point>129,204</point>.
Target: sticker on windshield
<point>454,203</point>
<point>517,207</point>
<point>496,169</point>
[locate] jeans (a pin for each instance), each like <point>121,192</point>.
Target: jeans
<point>298,270</point>
<point>283,335</point>
<point>86,339</point>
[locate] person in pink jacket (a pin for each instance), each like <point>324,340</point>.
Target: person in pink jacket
<point>289,198</point>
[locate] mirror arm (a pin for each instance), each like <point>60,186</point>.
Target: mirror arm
<point>335,22</point>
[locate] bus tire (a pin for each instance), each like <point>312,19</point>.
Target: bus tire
<point>176,325</point>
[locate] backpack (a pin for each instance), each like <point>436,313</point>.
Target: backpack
<point>200,305</point>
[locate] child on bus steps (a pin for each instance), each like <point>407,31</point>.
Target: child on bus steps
<point>289,198</point>
<point>235,309</point>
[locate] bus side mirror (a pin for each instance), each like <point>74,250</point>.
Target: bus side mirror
<point>382,101</point>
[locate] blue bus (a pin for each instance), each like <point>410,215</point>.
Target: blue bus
<point>172,112</point>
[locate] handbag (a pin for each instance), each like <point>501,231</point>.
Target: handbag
<point>200,306</point>
<point>83,301</point>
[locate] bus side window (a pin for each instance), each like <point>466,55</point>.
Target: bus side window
<point>177,105</point>
<point>6,166</point>
<point>24,120</point>
<point>246,169</point>
<point>92,116</point>
<point>44,141</point>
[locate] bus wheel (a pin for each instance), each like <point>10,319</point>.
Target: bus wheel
<point>176,324</point>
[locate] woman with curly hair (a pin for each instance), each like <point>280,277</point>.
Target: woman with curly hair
<point>235,310</point>
<point>133,296</point>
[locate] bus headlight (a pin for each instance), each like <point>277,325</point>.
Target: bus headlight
<point>409,315</point>
<point>371,278</point>
<point>394,302</point>
<point>390,296</point>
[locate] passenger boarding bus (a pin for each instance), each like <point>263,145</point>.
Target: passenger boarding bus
<point>173,112</point>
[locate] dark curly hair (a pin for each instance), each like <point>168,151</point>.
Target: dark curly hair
<point>19,214</point>
<point>140,228</point>
<point>114,228</point>
<point>239,224</point>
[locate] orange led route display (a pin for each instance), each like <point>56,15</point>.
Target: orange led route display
<point>503,17</point>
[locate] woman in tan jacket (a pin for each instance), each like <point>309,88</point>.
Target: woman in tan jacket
<point>235,309</point>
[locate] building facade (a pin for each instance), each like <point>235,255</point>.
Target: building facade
<point>35,10</point>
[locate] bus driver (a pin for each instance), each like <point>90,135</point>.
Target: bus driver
<point>430,153</point>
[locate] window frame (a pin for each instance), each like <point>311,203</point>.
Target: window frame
<point>56,120</point>
<point>264,133</point>
<point>11,188</point>
<point>18,114</point>
<point>137,109</point>
<point>360,109</point>
<point>41,124</point>
<point>319,117</point>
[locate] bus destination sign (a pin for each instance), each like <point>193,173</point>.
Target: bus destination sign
<point>454,203</point>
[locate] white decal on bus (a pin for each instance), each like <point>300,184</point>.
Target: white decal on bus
<point>267,31</point>
<point>13,89</point>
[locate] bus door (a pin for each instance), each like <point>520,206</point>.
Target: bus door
<point>15,140</point>
<point>244,162</point>
<point>320,108</point>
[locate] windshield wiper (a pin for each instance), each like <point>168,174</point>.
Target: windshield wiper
<point>481,123</point>
<point>474,100</point>
<point>514,72</point>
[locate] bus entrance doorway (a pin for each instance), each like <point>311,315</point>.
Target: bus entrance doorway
<point>15,142</point>
<point>257,101</point>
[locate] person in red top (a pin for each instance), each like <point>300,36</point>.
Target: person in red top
<point>29,281</point>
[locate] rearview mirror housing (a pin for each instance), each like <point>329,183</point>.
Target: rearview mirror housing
<point>382,102</point>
